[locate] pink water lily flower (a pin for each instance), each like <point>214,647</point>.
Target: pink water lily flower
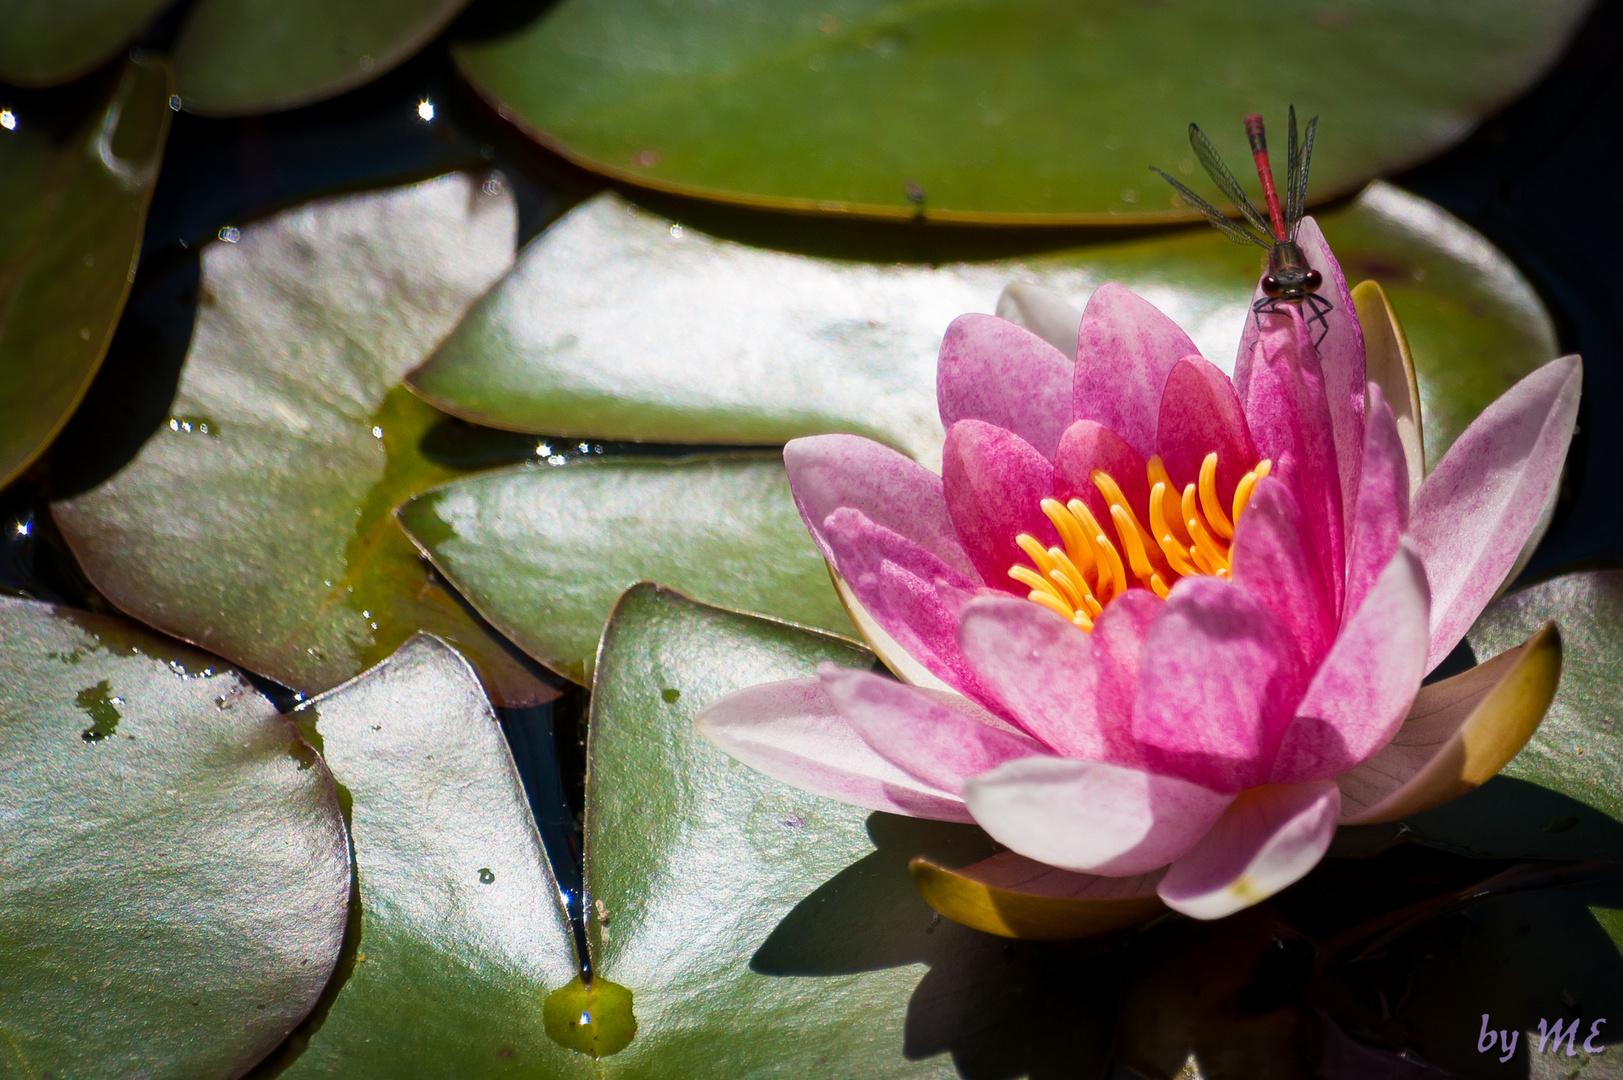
<point>1156,628</point>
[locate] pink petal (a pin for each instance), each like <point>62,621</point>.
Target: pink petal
<point>992,370</point>
<point>791,732</point>
<point>1042,311</point>
<point>1342,351</point>
<point>1341,357</point>
<point>1361,693</point>
<point>938,737</point>
<point>1124,351</point>
<point>892,490</point>
<point>1381,512</point>
<point>1269,837</point>
<point>1221,686</point>
<point>1475,509</point>
<point>1271,558</point>
<point>995,482</point>
<point>1200,413</point>
<point>1088,445</point>
<point>896,582</point>
<point>1090,816</point>
<point>1041,669</point>
<point>1285,407</point>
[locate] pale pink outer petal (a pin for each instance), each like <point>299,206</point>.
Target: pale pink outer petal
<point>1285,407</point>
<point>995,483</point>
<point>1361,693</point>
<point>1200,413</point>
<point>1124,350</point>
<point>1088,445</point>
<point>1271,557</point>
<point>1381,512</point>
<point>992,370</point>
<point>1225,681</point>
<point>1041,669</point>
<point>897,583</point>
<point>1090,816</point>
<point>1270,837</point>
<point>892,490</point>
<point>941,738</point>
<point>791,732</point>
<point>1473,512</point>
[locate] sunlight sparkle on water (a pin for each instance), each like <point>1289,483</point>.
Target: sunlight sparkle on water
<point>425,109</point>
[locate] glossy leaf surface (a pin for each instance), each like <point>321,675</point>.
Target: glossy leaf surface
<point>1576,755</point>
<point>544,551</point>
<point>256,523</point>
<point>617,323</point>
<point>757,925</point>
<point>460,936</point>
<point>52,41</point>
<point>75,191</point>
<point>174,874</point>
<point>250,56</point>
<point>1033,110</point>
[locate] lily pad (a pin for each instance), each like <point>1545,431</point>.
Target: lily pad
<point>256,522</point>
<point>621,324</point>
<point>543,551</point>
<point>174,874</point>
<point>236,57</point>
<point>48,43</point>
<point>76,191</point>
<point>762,929</point>
<point>461,935</point>
<point>1560,796</point>
<point>1037,110</point>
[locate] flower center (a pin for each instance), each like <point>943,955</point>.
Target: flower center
<point>1189,534</point>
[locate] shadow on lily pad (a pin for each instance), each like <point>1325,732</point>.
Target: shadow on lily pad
<point>1001,1008</point>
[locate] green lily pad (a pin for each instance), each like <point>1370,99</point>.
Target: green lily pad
<point>76,196</point>
<point>235,57</point>
<point>1560,796</point>
<point>46,43</point>
<point>1038,110</point>
<point>256,522</point>
<point>762,929</point>
<point>174,874</point>
<point>621,324</point>
<point>543,551</point>
<point>461,934</point>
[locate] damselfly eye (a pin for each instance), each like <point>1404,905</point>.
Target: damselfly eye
<point>1270,285</point>
<point>1312,280</point>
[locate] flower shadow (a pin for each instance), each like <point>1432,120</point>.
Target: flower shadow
<point>1001,1008</point>
<point>1381,962</point>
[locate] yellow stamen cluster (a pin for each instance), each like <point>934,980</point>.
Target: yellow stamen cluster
<point>1189,534</point>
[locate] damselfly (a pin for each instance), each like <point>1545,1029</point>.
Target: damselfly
<point>1289,279</point>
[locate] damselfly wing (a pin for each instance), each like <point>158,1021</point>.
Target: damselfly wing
<point>1288,279</point>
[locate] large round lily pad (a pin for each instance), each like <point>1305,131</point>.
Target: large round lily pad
<point>174,873</point>
<point>543,551</point>
<point>764,930</point>
<point>256,522</point>
<point>1039,110</point>
<point>75,190</point>
<point>52,41</point>
<point>235,57</point>
<point>619,323</point>
<point>461,935</point>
